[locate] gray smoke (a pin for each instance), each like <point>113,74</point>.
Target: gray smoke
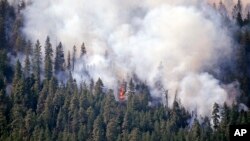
<point>126,38</point>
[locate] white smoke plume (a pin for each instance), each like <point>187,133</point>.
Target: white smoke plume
<point>200,91</point>
<point>125,38</point>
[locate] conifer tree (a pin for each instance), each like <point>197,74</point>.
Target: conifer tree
<point>27,65</point>
<point>215,116</point>
<point>3,68</point>
<point>3,112</point>
<point>18,85</point>
<point>237,13</point>
<point>83,49</point>
<point>59,59</point>
<point>98,130</point>
<point>98,87</point>
<point>3,11</point>
<point>135,135</point>
<point>37,61</point>
<point>17,111</point>
<point>74,58</point>
<point>112,130</point>
<point>69,61</point>
<point>48,68</point>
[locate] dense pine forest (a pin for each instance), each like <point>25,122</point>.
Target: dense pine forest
<point>37,105</point>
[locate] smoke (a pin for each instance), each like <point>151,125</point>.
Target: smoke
<point>204,89</point>
<point>171,42</point>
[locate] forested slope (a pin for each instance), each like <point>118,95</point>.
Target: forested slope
<point>36,105</point>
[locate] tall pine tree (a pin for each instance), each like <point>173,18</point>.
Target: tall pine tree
<point>59,59</point>
<point>37,61</point>
<point>48,68</point>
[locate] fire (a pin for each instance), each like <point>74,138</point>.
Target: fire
<point>122,93</point>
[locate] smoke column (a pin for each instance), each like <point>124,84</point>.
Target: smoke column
<point>171,42</point>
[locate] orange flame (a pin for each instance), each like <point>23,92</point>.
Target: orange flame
<point>122,93</point>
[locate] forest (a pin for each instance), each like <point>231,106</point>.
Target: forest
<point>37,105</point>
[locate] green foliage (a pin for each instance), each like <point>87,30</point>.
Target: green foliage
<point>48,66</point>
<point>74,57</point>
<point>3,113</point>
<point>52,110</point>
<point>69,61</point>
<point>3,12</point>
<point>98,133</point>
<point>3,69</point>
<point>216,116</point>
<point>69,112</point>
<point>36,65</point>
<point>59,59</point>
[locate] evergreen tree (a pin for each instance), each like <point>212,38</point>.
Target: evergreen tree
<point>28,48</point>
<point>20,43</point>
<point>3,11</point>
<point>17,111</point>
<point>225,119</point>
<point>61,120</point>
<point>239,19</point>
<point>69,61</point>
<point>241,59</point>
<point>135,135</point>
<point>196,131</point>
<point>29,124</point>
<point>98,87</point>
<point>27,65</point>
<point>112,130</point>
<point>83,49</point>
<point>74,58</point>
<point>2,33</point>
<point>215,116</point>
<point>37,61</point>
<point>18,90</point>
<point>82,133</point>
<point>75,121</point>
<point>42,98</point>
<point>237,13</point>
<point>131,87</point>
<point>3,113</point>
<point>98,130</point>
<point>91,118</point>
<point>109,108</point>
<point>234,114</point>
<point>3,68</point>
<point>48,68</point>
<point>59,59</point>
